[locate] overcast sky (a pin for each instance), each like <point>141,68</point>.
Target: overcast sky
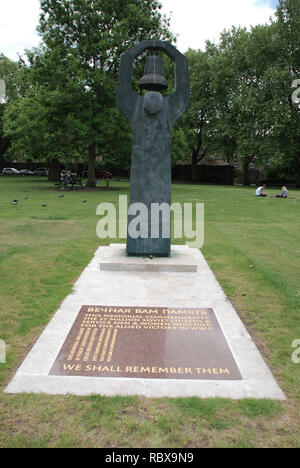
<point>194,20</point>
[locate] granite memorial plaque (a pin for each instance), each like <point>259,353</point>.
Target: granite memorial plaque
<point>148,343</point>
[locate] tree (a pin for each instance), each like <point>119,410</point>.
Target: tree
<point>83,44</point>
<point>242,119</point>
<point>193,132</point>
<point>39,127</point>
<point>11,74</point>
<point>286,124</point>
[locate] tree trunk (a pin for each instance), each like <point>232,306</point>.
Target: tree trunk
<point>4,145</point>
<point>194,169</point>
<point>195,161</point>
<point>298,175</point>
<point>54,170</point>
<point>246,173</point>
<point>91,167</point>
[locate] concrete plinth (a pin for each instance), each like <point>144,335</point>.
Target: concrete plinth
<point>180,260</point>
<point>147,289</point>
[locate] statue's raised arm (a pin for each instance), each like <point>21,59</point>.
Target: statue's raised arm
<point>178,101</point>
<point>126,98</point>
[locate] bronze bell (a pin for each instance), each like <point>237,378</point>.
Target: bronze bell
<point>153,79</point>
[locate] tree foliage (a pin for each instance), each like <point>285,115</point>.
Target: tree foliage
<point>87,39</point>
<point>241,90</point>
<point>74,77</point>
<point>286,116</point>
<point>197,123</point>
<point>15,86</point>
<point>241,95</point>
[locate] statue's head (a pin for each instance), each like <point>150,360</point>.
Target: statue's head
<point>153,79</point>
<point>153,102</point>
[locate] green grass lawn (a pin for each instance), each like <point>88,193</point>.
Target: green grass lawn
<point>253,247</point>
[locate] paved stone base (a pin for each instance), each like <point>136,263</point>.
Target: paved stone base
<point>153,289</point>
<point>180,260</point>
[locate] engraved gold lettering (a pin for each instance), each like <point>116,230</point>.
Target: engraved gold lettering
<point>75,345</point>
<point>102,357</point>
<point>98,345</point>
<point>224,371</point>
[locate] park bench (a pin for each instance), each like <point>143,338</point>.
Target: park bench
<point>77,183</point>
<point>71,184</point>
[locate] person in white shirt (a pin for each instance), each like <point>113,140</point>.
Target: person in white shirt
<point>260,192</point>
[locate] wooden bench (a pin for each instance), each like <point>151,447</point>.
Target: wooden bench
<point>70,184</point>
<point>77,183</point>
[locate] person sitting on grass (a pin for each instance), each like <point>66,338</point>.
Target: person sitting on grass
<point>285,193</point>
<point>260,192</point>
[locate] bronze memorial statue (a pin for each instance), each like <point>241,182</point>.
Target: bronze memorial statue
<point>152,117</point>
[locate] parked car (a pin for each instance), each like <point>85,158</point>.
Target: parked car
<point>103,175</point>
<point>10,171</point>
<point>41,171</point>
<point>26,172</point>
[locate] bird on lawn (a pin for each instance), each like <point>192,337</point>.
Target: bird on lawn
<point>15,202</point>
